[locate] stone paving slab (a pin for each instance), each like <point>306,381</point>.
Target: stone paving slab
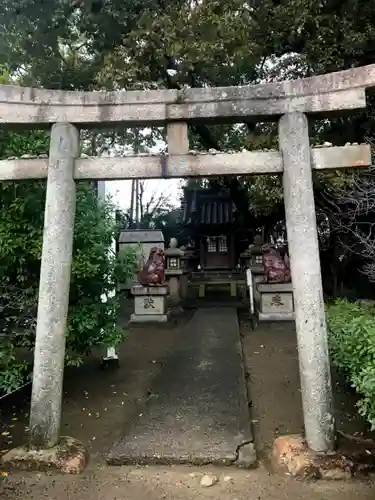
<point>198,412</point>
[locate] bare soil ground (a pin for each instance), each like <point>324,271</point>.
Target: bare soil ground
<point>178,483</point>
<point>271,359</point>
<point>98,405</point>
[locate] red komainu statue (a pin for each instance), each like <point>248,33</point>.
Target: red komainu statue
<point>153,272</point>
<point>276,268</point>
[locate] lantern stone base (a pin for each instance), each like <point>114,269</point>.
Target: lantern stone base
<point>150,304</point>
<point>276,302</point>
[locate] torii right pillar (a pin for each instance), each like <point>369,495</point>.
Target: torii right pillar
<point>310,319</point>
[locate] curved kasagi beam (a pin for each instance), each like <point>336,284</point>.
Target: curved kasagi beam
<point>319,94</point>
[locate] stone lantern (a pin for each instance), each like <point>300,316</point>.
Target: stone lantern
<point>252,256</point>
<point>174,270</point>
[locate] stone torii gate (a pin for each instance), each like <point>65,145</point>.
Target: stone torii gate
<point>288,102</point>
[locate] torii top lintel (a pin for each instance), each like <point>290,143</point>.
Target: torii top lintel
<point>342,90</point>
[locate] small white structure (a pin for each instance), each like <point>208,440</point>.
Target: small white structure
<point>145,239</point>
<point>150,304</point>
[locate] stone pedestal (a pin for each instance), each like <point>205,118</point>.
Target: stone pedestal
<point>150,304</point>
<point>276,302</point>
<point>174,271</point>
<point>174,277</point>
<point>257,273</point>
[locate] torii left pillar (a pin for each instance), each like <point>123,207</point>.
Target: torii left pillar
<point>46,401</point>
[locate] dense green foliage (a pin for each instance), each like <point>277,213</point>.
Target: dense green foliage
<point>94,270</point>
<point>123,44</point>
<point>352,344</point>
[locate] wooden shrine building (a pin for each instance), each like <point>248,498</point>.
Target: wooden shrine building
<point>209,216</point>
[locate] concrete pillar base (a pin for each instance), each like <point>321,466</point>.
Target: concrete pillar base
<point>69,456</point>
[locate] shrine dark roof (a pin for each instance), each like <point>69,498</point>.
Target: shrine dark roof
<point>207,208</point>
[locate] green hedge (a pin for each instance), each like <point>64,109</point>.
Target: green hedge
<point>351,328</point>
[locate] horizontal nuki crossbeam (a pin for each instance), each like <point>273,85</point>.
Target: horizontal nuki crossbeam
<point>322,94</point>
<point>189,165</point>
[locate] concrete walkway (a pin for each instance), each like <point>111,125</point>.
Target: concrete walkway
<point>198,410</point>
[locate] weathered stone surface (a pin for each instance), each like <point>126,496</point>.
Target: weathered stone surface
<point>198,165</point>
<point>14,169</point>
<point>275,287</point>
<point>149,318</point>
<point>177,138</point>
<point>174,288</point>
<point>246,456</point>
<point>276,316</point>
<point>149,305</point>
<point>277,302</point>
<point>209,480</point>
<point>340,90</point>
<point>268,108</point>
<point>69,456</point>
<point>292,454</point>
<point>149,290</point>
<point>53,300</point>
<point>307,282</point>
<point>362,77</point>
<point>327,158</point>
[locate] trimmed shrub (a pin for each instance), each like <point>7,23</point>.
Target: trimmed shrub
<point>351,329</point>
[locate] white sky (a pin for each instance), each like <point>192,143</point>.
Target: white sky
<point>121,190</point>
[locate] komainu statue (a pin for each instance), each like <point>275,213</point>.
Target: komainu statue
<point>153,272</point>
<point>276,267</point>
